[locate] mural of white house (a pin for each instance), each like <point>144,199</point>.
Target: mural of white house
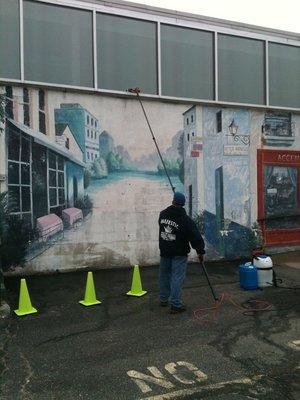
<point>193,160</point>
<point>85,127</point>
<point>227,180</point>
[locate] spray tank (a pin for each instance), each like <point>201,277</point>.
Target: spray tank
<point>265,273</point>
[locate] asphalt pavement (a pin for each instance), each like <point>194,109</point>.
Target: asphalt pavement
<point>131,348</point>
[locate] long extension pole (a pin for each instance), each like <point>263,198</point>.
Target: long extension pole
<point>137,91</point>
<point>209,283</point>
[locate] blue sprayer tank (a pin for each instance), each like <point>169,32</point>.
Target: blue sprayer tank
<point>248,276</point>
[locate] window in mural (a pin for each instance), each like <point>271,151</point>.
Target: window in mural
<point>219,121</point>
<point>281,197</point>
<point>42,115</point>
<point>9,106</point>
<point>19,174</point>
<point>278,124</point>
<point>39,180</point>
<point>56,177</point>
<point>26,114</point>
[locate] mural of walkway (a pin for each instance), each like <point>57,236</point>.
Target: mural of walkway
<point>125,212</point>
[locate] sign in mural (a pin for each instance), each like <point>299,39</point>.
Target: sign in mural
<point>235,150</point>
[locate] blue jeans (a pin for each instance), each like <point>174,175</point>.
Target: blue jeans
<point>171,278</point>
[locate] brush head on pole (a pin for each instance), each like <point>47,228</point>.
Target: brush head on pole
<point>134,90</point>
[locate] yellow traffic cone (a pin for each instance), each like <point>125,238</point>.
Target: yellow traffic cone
<point>25,306</point>
<point>136,286</point>
<point>90,295</point>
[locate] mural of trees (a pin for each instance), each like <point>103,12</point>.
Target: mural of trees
<point>99,169</point>
<point>172,166</point>
<point>112,158</point>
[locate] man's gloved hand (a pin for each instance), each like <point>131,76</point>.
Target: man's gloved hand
<point>200,258</point>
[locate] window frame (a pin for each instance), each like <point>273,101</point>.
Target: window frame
<point>42,111</point>
<point>9,102</point>
<point>26,106</point>
<point>21,185</point>
<point>57,187</point>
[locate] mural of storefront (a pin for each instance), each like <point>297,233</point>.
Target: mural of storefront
<point>40,174</point>
<point>278,176</point>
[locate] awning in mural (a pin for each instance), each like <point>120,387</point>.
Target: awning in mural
<point>44,141</point>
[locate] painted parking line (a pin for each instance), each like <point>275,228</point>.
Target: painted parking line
<point>220,385</point>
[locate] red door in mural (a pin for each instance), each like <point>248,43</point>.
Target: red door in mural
<point>278,180</point>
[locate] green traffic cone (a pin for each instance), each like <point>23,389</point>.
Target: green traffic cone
<point>25,306</point>
<point>136,286</point>
<point>90,295</point>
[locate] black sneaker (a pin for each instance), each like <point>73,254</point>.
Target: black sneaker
<point>164,303</point>
<point>176,310</point>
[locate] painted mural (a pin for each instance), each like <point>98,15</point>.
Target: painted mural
<point>221,182</point>
<point>85,179</point>
<point>85,185</point>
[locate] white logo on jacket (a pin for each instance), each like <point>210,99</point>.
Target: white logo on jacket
<point>167,234</point>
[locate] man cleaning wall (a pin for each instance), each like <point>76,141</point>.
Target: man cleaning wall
<point>177,231</point>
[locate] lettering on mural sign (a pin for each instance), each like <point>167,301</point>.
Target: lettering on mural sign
<point>197,146</point>
<point>181,371</point>
<point>289,157</point>
<point>235,150</point>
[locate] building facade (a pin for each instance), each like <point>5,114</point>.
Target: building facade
<point>222,98</point>
<point>85,127</point>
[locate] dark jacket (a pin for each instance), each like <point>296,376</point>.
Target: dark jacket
<point>176,232</point>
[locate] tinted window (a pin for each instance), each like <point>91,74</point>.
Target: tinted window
<point>241,70</point>
<point>126,53</point>
<point>58,44</point>
<point>187,63</point>
<point>9,39</point>
<point>284,73</point>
